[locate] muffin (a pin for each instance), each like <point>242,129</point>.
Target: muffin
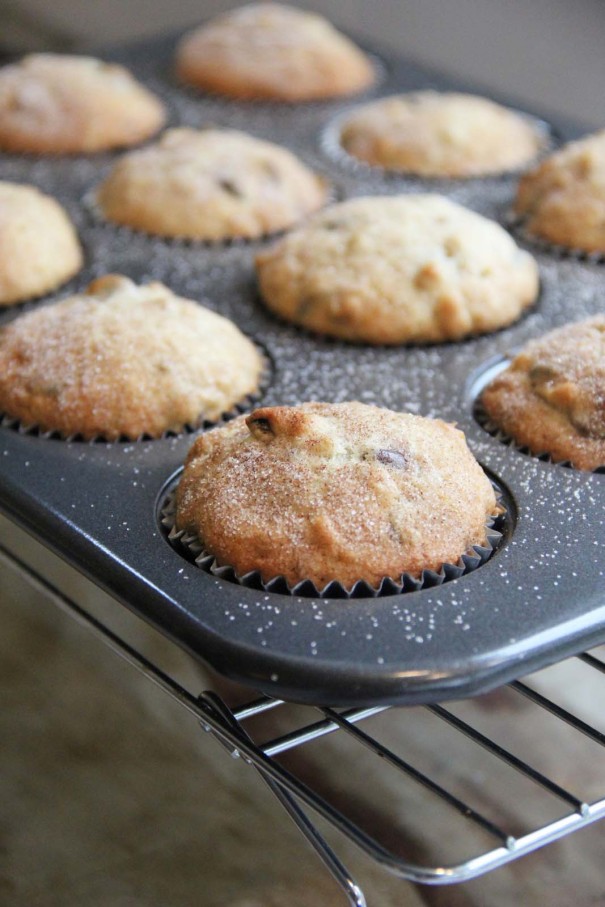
<point>389,270</point>
<point>562,200</point>
<point>211,185</point>
<point>39,248</point>
<point>326,492</point>
<point>274,52</point>
<point>55,104</point>
<point>436,134</point>
<point>551,398</point>
<point>123,361</point>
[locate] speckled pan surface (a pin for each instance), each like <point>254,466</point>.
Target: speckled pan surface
<point>539,598</point>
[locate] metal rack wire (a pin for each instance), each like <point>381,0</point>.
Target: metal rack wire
<point>243,731</point>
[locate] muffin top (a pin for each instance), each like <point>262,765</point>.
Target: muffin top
<point>123,361</point>
<point>562,200</point>
<point>326,492</point>
<point>211,184</point>
<point>55,104</point>
<point>411,268</point>
<point>436,134</point>
<point>39,248</point>
<point>551,398</point>
<point>275,52</point>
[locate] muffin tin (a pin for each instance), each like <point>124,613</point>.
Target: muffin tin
<point>537,599</point>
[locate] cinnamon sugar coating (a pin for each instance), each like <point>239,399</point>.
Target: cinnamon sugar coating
<point>211,184</point>
<point>440,134</point>
<point>122,361</point>
<point>328,492</point>
<point>275,52</point>
<point>410,268</point>
<point>562,200</point>
<point>62,104</point>
<point>551,398</point>
<point>39,248</point>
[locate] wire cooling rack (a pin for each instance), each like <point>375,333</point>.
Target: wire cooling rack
<point>427,782</point>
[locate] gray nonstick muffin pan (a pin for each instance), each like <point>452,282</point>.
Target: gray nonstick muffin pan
<point>539,598</point>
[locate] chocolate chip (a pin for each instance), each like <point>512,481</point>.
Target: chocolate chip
<point>45,390</point>
<point>262,426</point>
<point>305,304</point>
<point>230,188</point>
<point>391,458</point>
<point>540,374</point>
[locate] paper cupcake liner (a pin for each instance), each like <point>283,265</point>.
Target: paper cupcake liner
<point>280,105</point>
<point>192,547</point>
<point>333,149</point>
<point>517,225</point>
<point>246,404</point>
<point>89,201</point>
<point>487,424</point>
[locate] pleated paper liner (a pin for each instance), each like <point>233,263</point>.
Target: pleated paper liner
<point>191,547</point>
<point>517,225</point>
<point>486,423</point>
<point>248,403</point>
<point>331,145</point>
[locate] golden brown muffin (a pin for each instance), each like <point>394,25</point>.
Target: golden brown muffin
<point>275,52</point>
<point>410,268</point>
<point>551,398</point>
<point>562,200</point>
<point>213,184</point>
<point>39,248</point>
<point>328,492</point>
<point>123,361</point>
<point>55,104</point>
<point>435,134</point>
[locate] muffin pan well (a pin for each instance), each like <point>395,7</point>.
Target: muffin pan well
<point>537,599</point>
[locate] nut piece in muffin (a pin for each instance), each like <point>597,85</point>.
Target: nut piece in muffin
<point>410,268</point>
<point>562,200</point>
<point>326,492</point>
<point>551,398</point>
<point>213,184</point>
<point>123,361</point>
<point>39,248</point>
<point>56,104</point>
<point>435,134</point>
<point>274,52</point>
